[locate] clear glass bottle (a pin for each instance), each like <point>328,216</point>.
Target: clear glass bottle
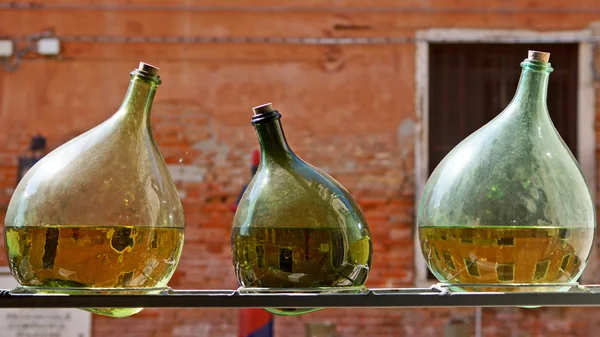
<point>509,205</point>
<point>100,212</point>
<point>295,226</point>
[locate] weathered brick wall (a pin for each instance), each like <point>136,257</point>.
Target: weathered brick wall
<point>347,109</point>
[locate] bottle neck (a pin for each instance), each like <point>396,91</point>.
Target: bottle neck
<point>533,85</point>
<point>273,145</point>
<point>139,97</point>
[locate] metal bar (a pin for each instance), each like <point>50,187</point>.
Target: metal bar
<point>374,298</point>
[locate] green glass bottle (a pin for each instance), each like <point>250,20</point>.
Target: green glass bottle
<point>295,226</point>
<point>509,205</point>
<point>100,213</point>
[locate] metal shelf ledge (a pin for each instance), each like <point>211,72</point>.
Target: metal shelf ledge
<point>437,296</point>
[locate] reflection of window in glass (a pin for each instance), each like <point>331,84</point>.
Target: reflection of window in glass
<point>437,255</point>
<point>286,263</point>
<point>470,83</point>
<point>324,192</point>
<point>505,272</point>
<point>50,248</point>
<point>472,267</point>
<point>337,251</point>
<point>449,261</point>
<point>154,239</point>
<point>541,268</point>
<point>506,241</point>
<point>260,253</point>
<point>565,262</point>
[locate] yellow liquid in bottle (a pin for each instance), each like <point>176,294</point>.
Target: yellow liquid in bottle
<point>299,257</point>
<point>280,257</point>
<point>94,257</point>
<point>511,255</point>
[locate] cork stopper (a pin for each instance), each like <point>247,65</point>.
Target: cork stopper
<point>150,69</point>
<point>538,56</point>
<point>261,109</point>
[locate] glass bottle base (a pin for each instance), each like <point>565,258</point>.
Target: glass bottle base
<point>291,311</point>
<point>111,312</point>
<point>506,287</point>
<point>299,311</point>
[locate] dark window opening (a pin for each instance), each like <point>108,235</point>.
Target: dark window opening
<point>260,254</point>
<point>565,262</point>
<point>506,241</point>
<point>505,272</point>
<point>449,261</point>
<point>472,267</point>
<point>286,263</point>
<point>564,233</point>
<point>541,268</point>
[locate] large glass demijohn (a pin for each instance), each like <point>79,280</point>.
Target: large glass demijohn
<point>295,226</point>
<point>100,212</point>
<point>509,205</point>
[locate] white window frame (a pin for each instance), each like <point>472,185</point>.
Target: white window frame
<point>586,139</point>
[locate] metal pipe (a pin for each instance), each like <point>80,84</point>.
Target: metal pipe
<point>306,40</point>
<point>478,322</point>
<point>302,9</point>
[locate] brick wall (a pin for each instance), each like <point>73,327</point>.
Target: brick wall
<point>347,109</point>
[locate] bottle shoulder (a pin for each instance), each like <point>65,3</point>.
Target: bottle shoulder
<point>503,174</point>
<point>297,195</point>
<point>106,175</point>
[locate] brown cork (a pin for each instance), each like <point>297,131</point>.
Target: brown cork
<point>538,56</point>
<point>152,70</point>
<point>261,109</point>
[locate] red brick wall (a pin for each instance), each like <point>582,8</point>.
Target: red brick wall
<point>347,109</point>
